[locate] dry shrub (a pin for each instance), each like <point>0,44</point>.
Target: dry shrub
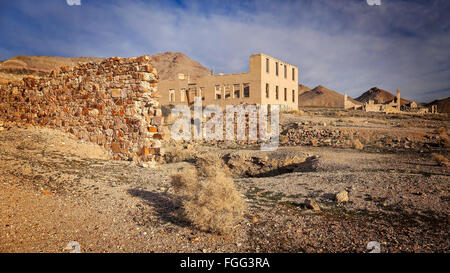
<point>440,159</point>
<point>366,137</point>
<point>207,165</point>
<point>185,182</point>
<point>297,112</point>
<point>178,155</point>
<point>357,144</point>
<point>210,199</point>
<point>445,141</point>
<point>348,143</point>
<point>442,131</point>
<point>443,134</point>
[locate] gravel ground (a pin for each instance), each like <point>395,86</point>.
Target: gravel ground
<point>53,190</point>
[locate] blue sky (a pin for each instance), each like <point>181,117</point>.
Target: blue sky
<point>345,45</point>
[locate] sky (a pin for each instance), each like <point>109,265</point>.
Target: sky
<point>346,45</point>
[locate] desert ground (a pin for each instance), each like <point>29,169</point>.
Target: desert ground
<point>55,189</point>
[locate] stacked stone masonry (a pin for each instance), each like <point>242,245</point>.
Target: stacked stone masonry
<point>113,103</point>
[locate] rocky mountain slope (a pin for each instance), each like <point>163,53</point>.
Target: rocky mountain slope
<point>303,88</point>
<point>378,95</point>
<point>443,105</point>
<point>322,97</point>
<point>169,64</point>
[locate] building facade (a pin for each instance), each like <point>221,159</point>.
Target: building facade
<point>269,81</point>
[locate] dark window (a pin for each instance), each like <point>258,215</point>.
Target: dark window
<point>293,95</point>
<point>237,91</point>
<point>267,65</point>
<point>267,90</point>
<point>218,92</point>
<point>276,92</point>
<point>285,94</point>
<point>276,68</point>
<point>227,89</point>
<point>293,74</point>
<point>285,71</point>
<point>246,90</point>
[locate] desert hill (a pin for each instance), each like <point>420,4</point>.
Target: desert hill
<point>40,65</point>
<point>15,68</point>
<point>323,97</point>
<point>443,105</point>
<point>303,88</point>
<point>378,95</point>
<point>168,65</point>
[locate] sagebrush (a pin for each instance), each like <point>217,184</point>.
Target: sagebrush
<point>210,199</point>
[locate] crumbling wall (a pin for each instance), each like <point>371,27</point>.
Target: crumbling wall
<point>350,105</point>
<point>112,103</point>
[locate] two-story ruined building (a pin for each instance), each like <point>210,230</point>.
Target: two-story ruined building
<point>269,81</point>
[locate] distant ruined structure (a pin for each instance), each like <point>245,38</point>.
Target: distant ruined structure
<point>392,106</point>
<point>269,81</point>
<point>349,104</point>
<point>112,103</point>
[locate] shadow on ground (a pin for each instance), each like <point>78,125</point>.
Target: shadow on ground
<point>167,207</point>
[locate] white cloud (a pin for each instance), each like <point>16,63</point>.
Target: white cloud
<point>349,48</point>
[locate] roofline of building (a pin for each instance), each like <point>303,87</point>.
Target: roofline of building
<point>265,55</point>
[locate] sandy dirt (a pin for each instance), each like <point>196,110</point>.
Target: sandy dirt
<point>55,189</point>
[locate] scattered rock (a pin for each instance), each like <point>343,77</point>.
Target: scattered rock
<point>311,204</point>
<point>342,196</point>
<point>260,164</point>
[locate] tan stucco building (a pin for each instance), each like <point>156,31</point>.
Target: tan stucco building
<point>269,81</point>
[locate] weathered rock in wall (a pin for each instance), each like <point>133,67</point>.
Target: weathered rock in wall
<point>112,103</point>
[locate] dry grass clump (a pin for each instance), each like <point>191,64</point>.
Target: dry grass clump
<point>442,131</point>
<point>443,134</point>
<point>445,141</point>
<point>208,165</point>
<point>178,155</point>
<point>440,159</point>
<point>210,199</point>
<point>357,144</point>
<point>297,112</point>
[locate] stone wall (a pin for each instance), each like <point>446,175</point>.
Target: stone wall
<point>112,103</point>
<point>350,105</point>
